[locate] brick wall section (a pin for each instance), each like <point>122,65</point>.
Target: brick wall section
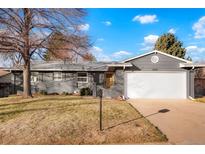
<point>199,87</point>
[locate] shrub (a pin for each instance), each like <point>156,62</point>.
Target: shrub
<point>86,92</point>
<point>54,93</point>
<point>64,93</point>
<point>43,92</point>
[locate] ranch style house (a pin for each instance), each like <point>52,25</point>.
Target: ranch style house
<point>152,75</point>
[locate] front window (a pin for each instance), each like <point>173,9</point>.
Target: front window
<point>68,76</point>
<point>34,78</point>
<point>109,79</point>
<point>82,77</point>
<point>57,76</point>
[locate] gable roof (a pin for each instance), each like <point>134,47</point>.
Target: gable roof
<point>156,51</point>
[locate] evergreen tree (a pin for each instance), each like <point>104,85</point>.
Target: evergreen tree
<point>169,43</point>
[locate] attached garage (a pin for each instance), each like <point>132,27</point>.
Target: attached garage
<point>157,75</point>
<point>152,85</point>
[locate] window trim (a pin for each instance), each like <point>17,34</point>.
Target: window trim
<point>67,76</point>
<point>82,77</point>
<point>59,78</point>
<point>34,78</point>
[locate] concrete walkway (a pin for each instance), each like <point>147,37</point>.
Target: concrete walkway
<point>182,121</point>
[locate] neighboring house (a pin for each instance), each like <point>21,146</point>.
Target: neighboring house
<point>151,75</point>
<point>199,82</point>
<point>5,83</point>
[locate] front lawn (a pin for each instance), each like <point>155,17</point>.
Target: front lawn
<point>72,120</point>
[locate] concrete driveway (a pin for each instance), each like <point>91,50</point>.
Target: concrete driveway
<point>183,121</point>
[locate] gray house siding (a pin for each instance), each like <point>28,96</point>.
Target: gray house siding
<point>68,83</point>
<point>17,82</point>
<point>165,63</point>
<point>95,82</point>
<point>5,85</point>
<point>191,83</point>
<point>118,88</point>
<point>5,78</point>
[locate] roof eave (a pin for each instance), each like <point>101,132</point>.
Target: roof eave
<point>120,65</point>
<point>156,51</point>
<point>182,65</point>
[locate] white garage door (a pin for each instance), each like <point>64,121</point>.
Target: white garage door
<point>160,85</point>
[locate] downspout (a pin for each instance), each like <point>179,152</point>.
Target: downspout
<point>193,67</point>
<point>190,97</point>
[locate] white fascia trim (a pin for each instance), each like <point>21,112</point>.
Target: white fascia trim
<point>156,51</point>
<point>46,70</point>
<point>187,61</point>
<point>120,65</point>
<point>183,65</point>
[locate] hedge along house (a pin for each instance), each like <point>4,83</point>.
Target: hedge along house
<point>151,75</point>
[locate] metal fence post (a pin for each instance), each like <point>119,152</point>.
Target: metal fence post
<point>100,94</point>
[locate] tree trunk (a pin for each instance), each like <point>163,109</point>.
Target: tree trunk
<point>27,80</point>
<point>26,71</point>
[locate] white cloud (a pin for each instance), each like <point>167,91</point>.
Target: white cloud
<point>146,48</point>
<point>172,30</point>
<point>149,42</point>
<point>97,49</point>
<point>199,28</point>
<point>195,52</point>
<point>119,54</point>
<point>83,27</point>
<point>145,19</point>
<point>195,49</point>
<point>150,39</point>
<point>99,54</point>
<point>107,23</point>
<point>100,39</point>
<point>191,48</point>
<point>40,20</point>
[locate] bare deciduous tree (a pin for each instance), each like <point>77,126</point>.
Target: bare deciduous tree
<point>25,33</point>
<point>200,72</point>
<point>68,48</point>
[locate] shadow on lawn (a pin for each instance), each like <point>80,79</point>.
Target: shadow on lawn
<point>125,122</point>
<point>40,100</point>
<point>18,111</point>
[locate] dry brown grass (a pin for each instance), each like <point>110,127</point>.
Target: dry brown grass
<point>72,120</point>
<point>201,100</point>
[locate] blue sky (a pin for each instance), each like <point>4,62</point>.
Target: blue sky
<point>121,33</point>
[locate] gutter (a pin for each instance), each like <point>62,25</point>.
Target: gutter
<point>191,98</point>
<point>120,65</point>
<point>193,66</point>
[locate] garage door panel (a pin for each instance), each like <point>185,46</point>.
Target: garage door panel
<point>156,85</point>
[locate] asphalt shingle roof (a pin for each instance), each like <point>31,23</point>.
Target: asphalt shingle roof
<point>66,66</point>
